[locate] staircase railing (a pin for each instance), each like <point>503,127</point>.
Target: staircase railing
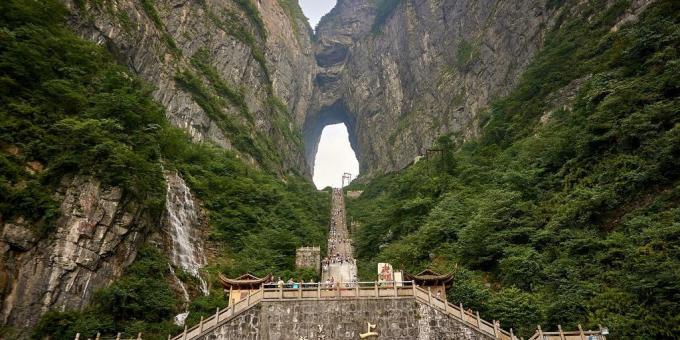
<point>468,318</point>
<point>350,290</point>
<point>599,334</point>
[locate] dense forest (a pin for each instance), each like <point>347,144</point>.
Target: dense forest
<point>66,105</point>
<point>566,209</point>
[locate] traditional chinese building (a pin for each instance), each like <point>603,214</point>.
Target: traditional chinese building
<point>433,280</point>
<point>240,287</point>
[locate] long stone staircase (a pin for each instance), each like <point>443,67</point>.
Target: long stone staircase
<point>340,265</point>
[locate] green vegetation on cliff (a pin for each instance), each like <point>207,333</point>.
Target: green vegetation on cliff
<point>141,301</point>
<point>565,211</point>
<point>66,108</point>
<point>296,17</point>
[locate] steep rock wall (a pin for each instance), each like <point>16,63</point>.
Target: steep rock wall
<point>424,69</point>
<point>95,239</point>
<point>261,54</point>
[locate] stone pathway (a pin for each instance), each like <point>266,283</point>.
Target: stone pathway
<point>340,264</point>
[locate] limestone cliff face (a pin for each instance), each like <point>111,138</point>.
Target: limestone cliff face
<point>425,69</point>
<point>95,239</point>
<point>262,53</point>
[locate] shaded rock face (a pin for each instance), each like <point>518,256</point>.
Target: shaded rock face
<point>159,41</point>
<point>95,239</point>
<point>429,69</point>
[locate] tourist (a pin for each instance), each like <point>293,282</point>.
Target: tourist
<point>279,283</point>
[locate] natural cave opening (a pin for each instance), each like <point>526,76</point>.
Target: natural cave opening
<point>330,146</point>
<point>334,157</point>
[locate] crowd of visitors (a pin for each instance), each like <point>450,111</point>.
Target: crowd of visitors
<point>292,284</point>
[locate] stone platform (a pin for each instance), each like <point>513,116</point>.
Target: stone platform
<point>395,318</point>
<point>398,311</point>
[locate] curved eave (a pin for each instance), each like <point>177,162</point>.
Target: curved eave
<point>243,284</point>
<point>430,280</point>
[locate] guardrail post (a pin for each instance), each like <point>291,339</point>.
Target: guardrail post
<point>375,287</point>
<point>495,329</point>
<point>184,335</point>
<point>583,335</point>
<point>540,332</point>
<point>356,289</point>
<point>139,336</point>
<point>462,311</point>
<point>77,336</point>
<point>217,316</point>
<point>559,328</point>
<point>248,299</point>
<point>479,321</point>
<point>337,288</point>
<point>200,326</point>
<point>300,290</point>
<point>446,303</point>
<point>512,335</point>
<point>396,291</point>
<point>98,336</point>
<point>429,295</point>
<point>318,290</point>
<point>281,293</point>
<point>413,284</point>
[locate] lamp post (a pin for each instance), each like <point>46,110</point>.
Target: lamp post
<point>346,176</point>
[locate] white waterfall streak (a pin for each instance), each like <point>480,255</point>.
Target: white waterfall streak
<point>184,228</point>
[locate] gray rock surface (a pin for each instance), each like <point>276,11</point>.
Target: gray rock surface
<point>96,237</point>
<point>158,43</point>
<point>428,70</point>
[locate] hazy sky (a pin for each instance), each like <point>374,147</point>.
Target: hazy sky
<point>334,157</point>
<point>315,9</point>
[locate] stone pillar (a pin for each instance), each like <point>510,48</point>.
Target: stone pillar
<point>308,257</point>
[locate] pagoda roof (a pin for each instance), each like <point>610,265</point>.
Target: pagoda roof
<point>245,281</point>
<point>429,277</point>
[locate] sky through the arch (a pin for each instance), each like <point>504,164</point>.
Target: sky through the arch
<point>335,155</point>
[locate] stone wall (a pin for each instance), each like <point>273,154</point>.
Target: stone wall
<point>397,318</point>
<point>308,257</point>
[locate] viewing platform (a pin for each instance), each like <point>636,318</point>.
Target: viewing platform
<point>401,307</point>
